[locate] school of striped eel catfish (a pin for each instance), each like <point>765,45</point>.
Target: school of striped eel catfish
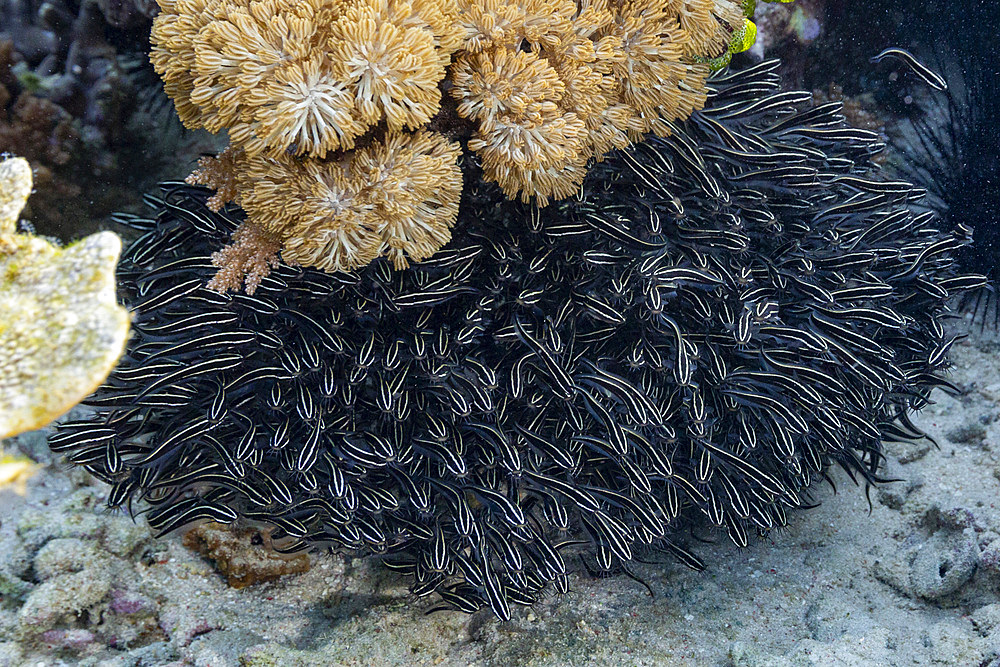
<point>688,345</point>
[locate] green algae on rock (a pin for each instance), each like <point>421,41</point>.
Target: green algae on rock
<point>61,329</point>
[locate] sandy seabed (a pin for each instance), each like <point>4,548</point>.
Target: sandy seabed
<point>914,581</point>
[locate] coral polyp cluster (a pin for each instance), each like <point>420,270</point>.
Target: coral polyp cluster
<point>718,318</point>
<point>397,197</point>
<point>306,76</point>
<point>297,85</point>
<point>551,84</point>
<point>337,99</point>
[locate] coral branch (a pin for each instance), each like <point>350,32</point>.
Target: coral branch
<point>248,259</point>
<point>218,173</point>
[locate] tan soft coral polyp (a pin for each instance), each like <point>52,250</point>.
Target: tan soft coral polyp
<point>557,83</point>
<point>303,109</point>
<point>392,71</point>
<point>398,196</point>
<point>503,82</point>
<point>415,185</point>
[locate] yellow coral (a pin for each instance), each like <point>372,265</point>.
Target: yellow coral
<point>488,22</point>
<point>330,224</point>
<point>541,159</point>
<point>597,76</point>
<point>309,76</point>
<point>175,31</point>
<point>15,186</point>
<point>15,471</point>
<point>303,108</point>
<point>392,69</point>
<point>504,82</point>
<point>61,329</point>
<point>707,25</point>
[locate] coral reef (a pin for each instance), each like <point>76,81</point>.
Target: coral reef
<point>319,100</point>
<point>72,577</point>
<point>77,576</point>
<point>43,133</point>
<point>720,317</point>
<point>61,329</point>
<point>82,586</point>
<point>69,53</point>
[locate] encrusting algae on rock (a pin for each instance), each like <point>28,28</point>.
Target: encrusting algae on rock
<point>243,555</point>
<point>61,329</point>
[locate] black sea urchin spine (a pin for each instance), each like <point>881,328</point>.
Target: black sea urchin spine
<point>951,144</point>
<point>718,317</point>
